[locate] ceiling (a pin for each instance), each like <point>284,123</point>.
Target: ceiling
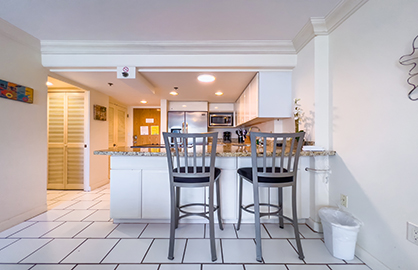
<point>162,20</point>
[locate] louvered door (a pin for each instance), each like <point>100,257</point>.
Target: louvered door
<point>66,140</point>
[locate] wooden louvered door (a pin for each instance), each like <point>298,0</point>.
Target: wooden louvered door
<point>66,140</point>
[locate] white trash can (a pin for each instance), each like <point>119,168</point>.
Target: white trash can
<point>340,232</point>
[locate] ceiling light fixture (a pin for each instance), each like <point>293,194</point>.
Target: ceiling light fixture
<point>144,101</point>
<point>174,93</point>
<point>219,93</point>
<point>49,83</point>
<point>206,78</point>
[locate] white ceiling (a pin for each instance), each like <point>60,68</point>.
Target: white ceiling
<point>163,20</point>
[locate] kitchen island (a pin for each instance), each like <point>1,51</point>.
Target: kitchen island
<point>139,184</point>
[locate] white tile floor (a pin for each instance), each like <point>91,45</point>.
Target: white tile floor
<point>77,233</point>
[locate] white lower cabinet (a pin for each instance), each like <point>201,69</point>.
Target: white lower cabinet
<point>155,194</point>
<point>125,190</point>
<point>139,190</point>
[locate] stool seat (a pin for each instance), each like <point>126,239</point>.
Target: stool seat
<point>195,179</point>
<point>247,173</point>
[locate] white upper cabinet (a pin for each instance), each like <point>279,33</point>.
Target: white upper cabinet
<point>268,96</point>
<point>221,107</point>
<point>188,106</point>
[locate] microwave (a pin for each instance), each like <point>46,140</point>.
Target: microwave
<point>221,119</point>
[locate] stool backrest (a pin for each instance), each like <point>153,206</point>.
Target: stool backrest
<point>191,154</point>
<point>278,156</point>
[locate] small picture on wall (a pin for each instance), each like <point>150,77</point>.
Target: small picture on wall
<point>99,112</point>
<point>16,92</point>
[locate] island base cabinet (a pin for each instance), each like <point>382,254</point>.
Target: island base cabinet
<point>155,195</point>
<point>125,202</point>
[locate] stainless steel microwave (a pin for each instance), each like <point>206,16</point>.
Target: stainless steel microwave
<point>221,119</point>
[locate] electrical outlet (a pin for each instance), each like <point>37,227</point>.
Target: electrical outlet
<point>344,200</point>
<point>412,233</point>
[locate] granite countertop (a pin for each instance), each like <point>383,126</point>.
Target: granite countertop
<point>222,150</point>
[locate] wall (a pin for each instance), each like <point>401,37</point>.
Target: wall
<point>23,136</point>
<point>99,139</point>
<point>304,88</point>
<point>375,128</point>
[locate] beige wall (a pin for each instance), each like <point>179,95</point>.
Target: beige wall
<point>23,130</point>
<point>375,128</point>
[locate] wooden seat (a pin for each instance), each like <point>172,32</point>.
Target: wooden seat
<point>191,163</point>
<point>274,165</point>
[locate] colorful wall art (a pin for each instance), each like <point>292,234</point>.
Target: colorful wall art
<point>16,92</point>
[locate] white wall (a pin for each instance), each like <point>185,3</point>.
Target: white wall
<point>304,88</point>
<point>23,135</point>
<point>375,128</point>
<point>99,139</point>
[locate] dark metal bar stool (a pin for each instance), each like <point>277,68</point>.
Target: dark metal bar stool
<point>191,163</point>
<point>275,165</point>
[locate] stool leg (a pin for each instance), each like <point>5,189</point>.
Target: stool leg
<point>259,256</point>
<point>177,206</point>
<point>218,201</point>
<point>295,223</point>
<point>281,208</point>
<point>239,203</point>
<point>173,218</point>
<point>212,224</point>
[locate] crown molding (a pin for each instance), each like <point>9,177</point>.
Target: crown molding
<point>9,30</point>
<point>167,47</point>
<point>324,26</point>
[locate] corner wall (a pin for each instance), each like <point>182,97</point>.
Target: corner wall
<point>23,135</point>
<point>375,129</point>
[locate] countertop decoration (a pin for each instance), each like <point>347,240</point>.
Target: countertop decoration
<point>297,113</point>
<point>411,60</point>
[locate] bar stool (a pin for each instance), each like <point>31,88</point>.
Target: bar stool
<point>274,166</point>
<point>191,163</point>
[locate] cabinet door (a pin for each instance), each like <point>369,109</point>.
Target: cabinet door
<point>125,195</point>
<point>254,98</point>
<point>155,194</point>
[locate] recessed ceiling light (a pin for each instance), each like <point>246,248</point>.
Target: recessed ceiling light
<point>184,106</point>
<point>174,93</point>
<point>49,83</point>
<point>219,93</point>
<point>206,78</point>
<point>144,101</point>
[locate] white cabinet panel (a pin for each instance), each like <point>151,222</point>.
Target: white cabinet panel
<point>125,195</point>
<point>155,194</point>
<point>221,107</point>
<point>188,106</point>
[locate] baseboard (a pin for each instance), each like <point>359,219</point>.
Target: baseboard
<point>4,225</point>
<point>368,259</point>
<point>98,184</point>
<point>316,226</point>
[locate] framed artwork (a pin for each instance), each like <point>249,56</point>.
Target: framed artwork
<point>99,112</point>
<point>16,92</point>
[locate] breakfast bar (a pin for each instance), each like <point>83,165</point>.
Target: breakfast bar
<point>139,185</point>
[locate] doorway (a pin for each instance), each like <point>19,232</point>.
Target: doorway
<point>67,139</point>
<point>146,126</point>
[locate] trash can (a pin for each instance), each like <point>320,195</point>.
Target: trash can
<point>340,232</point>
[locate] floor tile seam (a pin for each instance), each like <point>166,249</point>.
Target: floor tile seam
<point>143,230</point>
<point>74,249</point>
<point>33,223</point>
<point>35,250</point>
<point>89,208</point>
<point>295,249</point>
<point>9,244</point>
<point>89,214</point>
<point>75,235</point>
<point>111,230</point>
<point>110,250</point>
<point>146,252</point>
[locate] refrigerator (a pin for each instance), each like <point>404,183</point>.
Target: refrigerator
<point>187,122</point>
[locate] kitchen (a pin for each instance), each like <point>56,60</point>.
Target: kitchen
<point>352,87</point>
